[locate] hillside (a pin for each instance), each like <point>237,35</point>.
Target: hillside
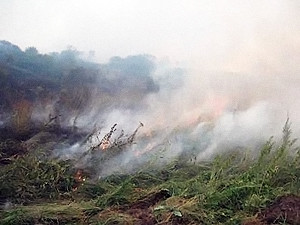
<point>61,164</point>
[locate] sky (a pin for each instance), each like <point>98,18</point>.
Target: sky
<point>198,33</point>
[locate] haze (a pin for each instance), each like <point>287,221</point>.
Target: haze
<point>201,33</point>
<point>237,66</point>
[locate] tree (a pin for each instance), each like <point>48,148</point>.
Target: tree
<point>32,51</point>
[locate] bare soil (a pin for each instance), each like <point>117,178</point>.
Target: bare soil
<point>284,210</point>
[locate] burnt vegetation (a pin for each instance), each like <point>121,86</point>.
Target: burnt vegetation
<point>39,188</point>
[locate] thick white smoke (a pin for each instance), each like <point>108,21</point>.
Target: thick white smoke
<point>240,85</point>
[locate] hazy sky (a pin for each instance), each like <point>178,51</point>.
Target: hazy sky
<point>202,32</point>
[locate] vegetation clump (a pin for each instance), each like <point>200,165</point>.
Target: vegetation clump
<point>28,178</point>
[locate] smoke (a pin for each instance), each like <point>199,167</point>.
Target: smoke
<point>235,97</point>
<point>197,113</point>
<point>187,115</point>
<point>235,85</point>
<point>197,119</point>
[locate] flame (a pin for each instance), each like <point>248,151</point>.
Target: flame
<point>207,111</point>
<point>105,145</point>
<point>215,105</point>
<point>219,105</point>
<point>79,176</point>
<point>79,179</point>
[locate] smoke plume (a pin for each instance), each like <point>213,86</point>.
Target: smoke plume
<point>238,85</point>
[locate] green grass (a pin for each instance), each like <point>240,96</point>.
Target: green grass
<point>29,178</point>
<point>226,190</point>
<point>62,212</point>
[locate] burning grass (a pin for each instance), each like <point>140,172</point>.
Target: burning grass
<point>231,189</point>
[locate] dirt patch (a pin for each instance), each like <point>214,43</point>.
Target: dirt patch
<point>285,209</point>
<point>253,221</point>
<point>141,210</point>
<point>149,200</point>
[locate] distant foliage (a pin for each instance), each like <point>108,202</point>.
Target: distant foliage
<point>71,83</point>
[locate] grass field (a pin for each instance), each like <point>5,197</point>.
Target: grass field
<point>233,188</point>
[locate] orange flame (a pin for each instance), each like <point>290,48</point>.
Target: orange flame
<point>79,176</point>
<point>79,179</point>
<point>105,145</point>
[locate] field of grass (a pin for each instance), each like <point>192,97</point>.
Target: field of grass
<point>233,188</point>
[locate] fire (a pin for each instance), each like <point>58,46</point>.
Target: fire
<point>215,105</point>
<point>105,145</point>
<point>219,105</point>
<point>79,179</point>
<point>79,176</point>
<point>210,110</point>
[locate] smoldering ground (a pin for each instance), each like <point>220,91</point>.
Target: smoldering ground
<point>196,120</point>
<point>235,88</point>
<point>204,113</point>
<point>185,113</point>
